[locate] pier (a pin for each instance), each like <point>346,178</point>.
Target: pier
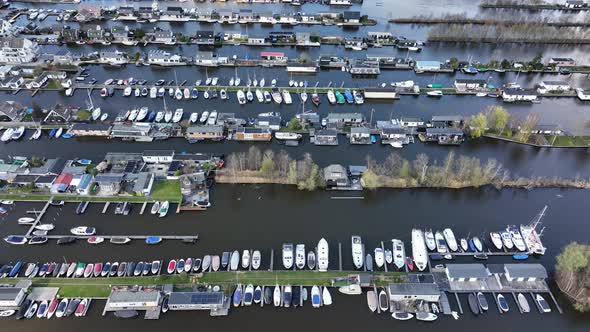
<point>192,238</point>
<point>40,215</point>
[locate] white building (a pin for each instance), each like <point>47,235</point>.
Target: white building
<point>157,156</point>
<point>466,272</point>
<point>17,50</point>
<point>428,292</point>
<point>163,58</point>
<point>525,272</point>
<point>340,3</point>
<point>6,29</point>
<point>113,58</point>
<point>513,95</point>
<point>549,86</point>
<point>11,297</point>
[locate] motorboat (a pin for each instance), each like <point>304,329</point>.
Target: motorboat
<point>164,206</point>
<point>133,114</point>
<point>473,304</point>
<point>256,258</point>
<point>399,253</point>
<point>155,269</point>
<point>379,257</point>
<point>7,313</point>
<point>542,303</point>
<point>26,220</point>
<point>326,296</point>
<point>237,297</point>
<point>276,296</point>
<point>234,261</point>
<point>288,255</point>
<point>267,97</point>
<point>287,296</point>
<point>506,240</point>
<point>323,259</point>
<point>214,80</point>
<point>477,244</point>
<point>194,93</point>
<point>95,240</point>
<point>248,295</point>
<point>194,117</point>
<point>167,116</point>
<point>225,258</point>
<point>212,119</point>
<point>178,94</point>
<point>36,135</point>
<point>426,316</point>
<point>7,135</point>
<point>267,297</point>
<point>159,116</point>
<point>178,113</point>
<point>51,309</point>
<point>372,301</point>
<point>188,265</point>
<point>106,269</point>
<point>496,240</point>
<point>516,237</point>
<point>241,97</point>
<point>435,93</point>
<point>287,97</point>
<point>171,266</point>
<point>80,268</point>
<point>402,315</point>
<point>450,238</point>
<point>124,314</point>
<point>369,262</point>
<point>419,249</point>
<point>249,96</point>
<point>180,265</point>
<point>358,97</point>
<point>430,241</point>
<point>61,308</point>
<point>37,240</point>
<point>441,244</point>
<point>97,270</point>
<point>502,303</point>
<point>383,300</point>
<point>215,263</point>
<point>72,269</point>
<point>204,117</point>
<point>153,239</point>
<point>464,244</point>
<point>30,268</point>
<point>186,93</point>
<point>316,297</point>
<point>523,303</point>
<point>81,308</point>
<point>15,239</point>
<point>358,252</point>
<point>88,270</point>
<point>120,240</point>
<point>315,99</point>
<point>245,259</point>
<point>311,260</point>
<point>83,231</point>
<point>300,256</point>
<point>276,96</point>
<point>155,208</point>
<point>481,300</point>
<point>331,97</point>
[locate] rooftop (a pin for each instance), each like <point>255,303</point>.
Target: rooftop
<point>478,271</point>
<point>526,270</point>
<point>413,289</point>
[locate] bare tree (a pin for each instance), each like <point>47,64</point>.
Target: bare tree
<point>254,158</point>
<point>421,166</point>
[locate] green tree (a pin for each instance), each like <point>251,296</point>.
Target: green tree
<point>294,124</point>
<point>268,167</point>
<point>370,180</point>
<point>505,64</point>
<point>499,118</point>
<point>573,274</point>
<point>35,161</point>
<point>453,62</point>
<point>478,125</point>
<point>404,171</point>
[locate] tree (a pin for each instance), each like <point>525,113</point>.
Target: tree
<point>421,167</point>
<point>268,166</point>
<point>573,274</point>
<point>526,129</point>
<point>498,118</point>
<point>505,64</point>
<point>404,171</point>
<point>453,62</point>
<point>254,158</point>
<point>478,125</point>
<point>370,180</point>
<point>35,161</point>
<point>294,124</point>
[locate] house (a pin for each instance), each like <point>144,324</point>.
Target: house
<point>133,299</point>
<point>444,121</point>
<point>273,56</point>
<point>157,156</point>
<point>174,11</point>
<point>23,179</point>
<point>444,136</point>
<point>360,135</point>
<point>164,36</point>
<point>163,58</point>
<point>138,131</point>
<point>90,129</point>
<point>281,37</point>
<point>326,137</point>
<point>195,300</point>
<point>58,115</point>
<point>85,184</point>
<point>62,183</point>
<point>466,272</point>
<point>45,181</point>
<point>62,57</point>
<point>200,133</point>
<point>393,134</point>
<point>143,184</point>
<point>207,59</point>
<point>309,119</point>
<point>11,297</point>
<point>125,11</point>
<point>120,33</point>
<point>547,130</point>
<point>525,272</point>
<point>427,66</point>
<point>336,175</point>
<point>6,28</point>
<point>351,17</point>
<point>562,62</point>
<point>11,111</point>
<point>553,86</point>
<point>516,94</point>
<point>427,292</point>
<point>109,184</point>
<point>205,37</point>
<point>463,84</point>
<point>252,134</point>
<point>271,122</point>
<point>113,57</point>
<point>380,35</point>
<point>70,34</point>
<point>12,82</point>
<point>344,119</point>
<point>95,33</point>
<point>50,167</point>
<point>17,50</point>
<point>88,13</point>
<point>340,3</point>
<point>227,16</point>
<point>411,122</point>
<point>256,41</point>
<point>303,38</point>
<point>246,16</point>
<point>379,93</point>
<point>575,4</point>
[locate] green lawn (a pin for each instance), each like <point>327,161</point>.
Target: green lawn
<point>166,191</point>
<point>568,141</point>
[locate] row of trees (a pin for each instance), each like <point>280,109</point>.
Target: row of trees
<point>496,120</point>
<point>453,172</point>
<point>573,274</point>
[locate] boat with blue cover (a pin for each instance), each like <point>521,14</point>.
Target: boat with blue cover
<point>237,298</point>
<point>348,96</point>
<point>153,240</point>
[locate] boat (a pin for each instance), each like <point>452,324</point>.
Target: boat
<point>276,296</point>
<point>31,310</point>
<point>178,94</point>
<point>450,238</point>
<point>36,135</point>
<point>388,256</point>
<point>167,116</point>
<point>234,261</point>
<point>178,113</point>
<point>434,93</point>
<point>496,240</point>
<point>171,266</point>
<point>502,303</point>
<point>37,240</point>
<point>194,117</point>
<point>120,240</point>
<point>30,268</point>
<point>126,314</point>
<point>267,97</point>
<point>71,269</point>
<point>383,301</point>
<point>323,255</point>
<point>276,96</point>
<point>429,239</point>
<point>256,258</point>
<point>311,260</point>
<point>215,262</point>
<point>88,270</point>
<point>95,240</point>
<point>287,97</point>
<point>155,208</point>
<point>464,244</point>
<point>506,240</point>
<point>402,315</point>
<point>97,270</point>
<point>241,97</point>
<point>372,301</point>
<point>542,303</point>
<point>473,303</point>
<point>379,257</point>
<point>419,249</point>
<point>339,97</point>
<point>245,259</point>
<point>477,244</point>
<point>426,316</point>
<point>369,262</point>
<point>194,93</point>
<point>15,239</point>
<point>516,237</point>
<point>206,263</point>
<point>67,240</point>
<point>523,303</point>
<point>441,244</point>
<point>83,231</point>
<point>267,295</point>
<point>81,308</point>
<point>288,255</point>
<point>237,297</point>
<point>481,300</point>
<point>80,268</point>
<point>106,269</point>
<point>399,253</point>
<point>7,313</point>
<point>143,112</point>
<point>300,256</point>
<point>26,220</point>
<point>159,116</point>
<point>58,133</point>
<point>287,296</point>
<point>248,295</point>
<point>358,253</point>
<point>331,97</point>
<point>410,263</point>
<point>520,257</point>
<point>153,239</point>
<point>164,209</point>
<point>225,259</point>
<point>52,308</point>
<point>61,308</point>
<point>180,265</point>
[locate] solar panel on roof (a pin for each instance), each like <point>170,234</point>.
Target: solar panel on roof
<point>130,167</point>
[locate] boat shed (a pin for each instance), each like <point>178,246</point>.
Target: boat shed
<point>336,175</point>
<point>413,291</point>
<point>466,272</point>
<point>379,93</point>
<point>133,300</point>
<point>326,137</point>
<point>11,297</point>
<point>158,156</point>
<point>525,272</point>
<point>195,300</point>
<point>90,129</point>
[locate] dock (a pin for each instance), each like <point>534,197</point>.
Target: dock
<point>385,263</point>
<point>272,255</point>
<point>132,237</point>
<point>459,303</point>
<point>106,207</point>
<point>340,256</point>
<point>39,215</point>
<point>143,206</point>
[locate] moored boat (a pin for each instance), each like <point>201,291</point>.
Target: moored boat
<point>358,254</point>
<point>323,255</point>
<point>419,249</point>
<point>502,303</point>
<point>523,303</point>
<point>311,260</point>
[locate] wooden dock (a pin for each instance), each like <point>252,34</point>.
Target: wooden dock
<point>340,256</point>
<point>143,206</point>
<point>132,237</point>
<point>106,207</point>
<point>39,215</point>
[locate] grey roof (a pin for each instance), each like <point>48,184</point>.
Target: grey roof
<point>520,92</point>
<point>347,15</point>
<point>51,166</point>
<point>193,156</point>
<point>444,131</point>
<point>447,118</point>
<point>205,129</point>
<point>129,296</point>
<point>393,130</point>
<point>344,116</point>
<point>143,179</point>
<point>158,153</point>
<point>109,178</point>
<point>177,298</point>
<point>46,179</point>
<point>23,178</point>
<point>470,81</point>
<point>413,289</point>
<point>9,293</point>
<point>387,89</point>
<point>556,83</point>
<point>250,130</point>
<point>90,126</point>
<point>533,270</point>
<point>326,132</point>
<point>359,130</point>
<point>467,271</point>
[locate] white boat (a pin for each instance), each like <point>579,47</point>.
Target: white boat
<point>159,116</point>
<point>7,313</point>
<point>267,97</point>
<point>402,315</point>
<point>186,93</point>
<point>281,135</point>
<point>7,135</point>
<point>441,244</point>
<point>429,239</point>
<point>61,308</point>
<point>36,135</point>
<point>18,133</point>
<point>316,299</point>
<point>277,296</point>
<point>372,301</point>
<point>288,255</point>
<point>249,96</point>
<point>104,116</point>
<point>542,303</point>
<point>435,93</point>
<point>351,289</point>
<point>237,81</point>
<point>96,113</point>
<point>358,252</point>
<point>477,244</point>
<point>419,249</point>
<point>248,295</point>
<point>194,117</point>
<point>155,208</point>
<point>164,206</point>
<point>383,301</point>
<point>178,94</point>
<point>450,238</point>
<point>178,115</point>
<point>259,96</point>
<point>204,117</point>
<point>142,114</point>
<point>516,237</point>
<point>399,253</point>
<point>256,259</point>
<point>496,240</point>
<point>241,97</point>
<point>26,220</point>
<point>137,92</point>
<point>464,244</point>
<point>507,240</point>
<point>273,83</point>
<point>45,227</point>
<point>127,92</point>
<point>212,119</point>
<point>300,256</point>
<point>388,256</point>
<point>261,83</point>
<point>379,257</point>
<point>358,97</point>
<point>83,231</point>
<point>168,116</point>
<point>331,97</point>
<point>234,261</point>
<point>245,259</point>
<point>326,296</point>
<point>133,115</point>
<point>426,316</point>
<point>323,255</point>
<point>287,97</point>
<point>523,303</point>
<point>214,80</point>
<point>231,81</point>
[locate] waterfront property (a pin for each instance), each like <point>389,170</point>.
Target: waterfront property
<point>11,297</point>
<point>196,300</point>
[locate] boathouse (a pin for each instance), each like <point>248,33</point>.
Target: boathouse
<point>444,136</point>
<point>195,300</point>
<point>562,62</point>
<point>428,292</point>
<point>466,272</point>
<point>201,133</point>
<point>45,181</point>
<point>273,56</point>
<point>525,272</point>
<point>411,122</point>
<point>157,156</point>
<point>336,175</point>
<point>90,129</point>
<point>208,59</point>
<point>271,122</point>
<point>379,93</point>
<point>326,137</point>
<point>445,121</point>
<point>133,300</point>
<point>393,134</point>
<point>467,84</point>
<point>553,86</point>
<point>360,135</point>
<point>205,37</point>
<point>351,17</point>
<point>514,94</point>
<point>427,66</point>
<point>11,297</point>
<point>340,120</point>
<point>252,134</point>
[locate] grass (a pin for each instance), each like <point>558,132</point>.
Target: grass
<point>83,115</point>
<point>568,141</point>
<point>167,190</point>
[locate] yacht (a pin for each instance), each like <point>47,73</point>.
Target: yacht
<point>204,117</point>
<point>178,115</point>
<point>276,96</point>
<point>331,97</point>
<point>450,238</point>
<point>212,119</point>
<point>399,253</point>
<point>323,255</point>
<point>142,114</point>
<point>287,97</point>
<point>241,97</point>
<point>358,97</point>
<point>507,240</point>
<point>267,97</point>
<point>277,296</point>
<point>256,258</point>
<point>441,245</point>
<point>245,259</point>
<point>429,238</point>
<point>419,249</point>
<point>358,253</point>
<point>288,255</point>
<point>516,237</point>
<point>194,117</point>
<point>159,116</point>
<point>168,116</point>
<point>83,230</point>
<point>379,257</point>
<point>259,96</point>
<point>316,301</point>
<point>300,256</point>
<point>496,240</point>
<point>17,133</point>
<point>248,295</point>
<point>311,260</point>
